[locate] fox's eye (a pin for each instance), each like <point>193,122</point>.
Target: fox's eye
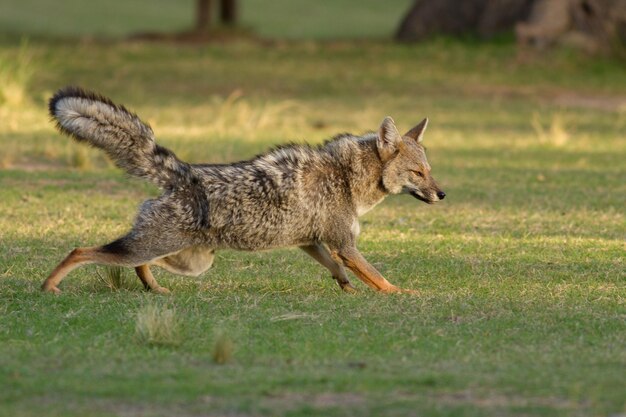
<point>419,174</point>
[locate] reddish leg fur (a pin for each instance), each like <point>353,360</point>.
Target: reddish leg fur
<point>354,261</point>
<point>86,256</point>
<point>146,277</point>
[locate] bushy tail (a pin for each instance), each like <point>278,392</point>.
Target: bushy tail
<point>89,117</point>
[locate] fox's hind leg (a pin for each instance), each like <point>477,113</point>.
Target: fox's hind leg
<point>76,258</point>
<point>146,277</point>
<point>319,252</point>
<point>131,250</point>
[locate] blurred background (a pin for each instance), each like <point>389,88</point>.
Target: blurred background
<point>256,72</point>
<point>527,98</point>
<point>520,269</point>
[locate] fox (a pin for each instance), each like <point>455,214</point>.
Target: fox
<point>295,195</point>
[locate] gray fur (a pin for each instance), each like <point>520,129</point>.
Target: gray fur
<point>296,195</point>
<point>127,140</point>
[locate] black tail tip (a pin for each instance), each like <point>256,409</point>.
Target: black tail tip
<point>77,92</point>
<point>68,91</point>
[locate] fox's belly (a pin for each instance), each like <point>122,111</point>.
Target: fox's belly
<point>245,244</point>
<point>250,238</point>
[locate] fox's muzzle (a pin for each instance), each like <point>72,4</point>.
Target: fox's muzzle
<point>440,196</point>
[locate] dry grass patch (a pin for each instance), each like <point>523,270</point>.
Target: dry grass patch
<point>115,278</point>
<point>232,115</point>
<point>554,134</point>
<point>157,325</point>
<point>16,71</point>
<point>223,349</point>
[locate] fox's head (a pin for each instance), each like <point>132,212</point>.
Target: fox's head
<point>406,169</point>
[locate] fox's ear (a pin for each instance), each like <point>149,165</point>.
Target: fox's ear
<point>417,132</point>
<point>388,139</point>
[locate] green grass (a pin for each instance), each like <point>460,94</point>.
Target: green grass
<point>521,269</point>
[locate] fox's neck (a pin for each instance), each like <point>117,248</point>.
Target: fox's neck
<point>367,189</point>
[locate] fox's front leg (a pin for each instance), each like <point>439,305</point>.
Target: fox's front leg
<point>354,261</point>
<point>320,254</point>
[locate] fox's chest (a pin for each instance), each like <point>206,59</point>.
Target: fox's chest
<point>362,208</point>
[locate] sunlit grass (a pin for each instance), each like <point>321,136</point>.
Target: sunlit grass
<point>16,72</point>
<point>520,269</point>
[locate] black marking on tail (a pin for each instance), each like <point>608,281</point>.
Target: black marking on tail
<point>78,92</point>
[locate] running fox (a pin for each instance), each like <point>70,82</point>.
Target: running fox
<point>295,195</point>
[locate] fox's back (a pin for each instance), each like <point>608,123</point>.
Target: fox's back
<point>262,203</point>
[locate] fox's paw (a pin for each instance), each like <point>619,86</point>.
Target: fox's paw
<point>52,289</point>
<point>396,290</point>
<point>391,289</point>
<point>161,290</point>
<point>348,288</point>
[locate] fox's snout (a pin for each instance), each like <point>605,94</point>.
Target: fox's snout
<point>432,191</point>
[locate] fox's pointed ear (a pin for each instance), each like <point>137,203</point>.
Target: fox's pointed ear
<point>388,139</point>
<point>417,132</point>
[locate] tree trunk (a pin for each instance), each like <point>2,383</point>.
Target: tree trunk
<point>502,15</point>
<point>592,25</point>
<point>203,15</point>
<point>228,12</point>
<point>433,17</point>
<point>428,18</point>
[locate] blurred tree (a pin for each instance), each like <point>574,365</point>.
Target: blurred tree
<point>228,14</point>
<point>203,15</point>
<point>426,18</point>
<point>592,25</point>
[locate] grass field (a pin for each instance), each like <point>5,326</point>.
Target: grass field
<point>521,269</point>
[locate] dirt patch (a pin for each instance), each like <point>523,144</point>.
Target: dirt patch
<point>555,97</point>
<point>591,102</point>
<point>129,409</point>
<point>114,189</point>
<point>30,166</point>
<point>292,400</point>
<point>505,401</point>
